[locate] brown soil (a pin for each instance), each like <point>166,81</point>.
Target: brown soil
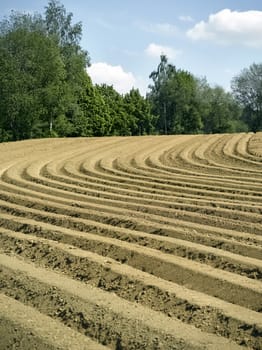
<point>131,243</point>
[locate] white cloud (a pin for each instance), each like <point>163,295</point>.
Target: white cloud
<point>142,85</point>
<point>166,29</point>
<point>104,73</point>
<point>155,50</point>
<point>230,27</point>
<point>186,18</point>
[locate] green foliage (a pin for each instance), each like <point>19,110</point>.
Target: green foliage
<point>139,113</point>
<point>220,113</point>
<point>67,36</point>
<point>247,89</point>
<point>174,99</point>
<point>158,95</point>
<point>62,126</point>
<point>183,104</point>
<point>43,73</point>
<point>31,81</point>
<point>185,117</point>
<point>95,111</point>
<point>123,115</point>
<point>46,92</point>
<point>118,119</point>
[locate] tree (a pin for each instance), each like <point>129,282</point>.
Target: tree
<point>139,113</point>
<point>158,96</point>
<point>67,36</point>
<point>247,89</point>
<point>43,74</point>
<point>95,117</point>
<point>185,117</point>
<point>173,99</point>
<point>118,118</point>
<point>31,78</point>
<point>220,112</point>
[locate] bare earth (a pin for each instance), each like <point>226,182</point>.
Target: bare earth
<point>131,243</point>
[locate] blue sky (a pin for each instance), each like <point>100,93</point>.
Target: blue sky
<point>211,38</point>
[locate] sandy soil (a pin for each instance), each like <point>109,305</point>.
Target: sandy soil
<point>131,243</point>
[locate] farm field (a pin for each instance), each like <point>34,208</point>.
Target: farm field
<point>149,242</point>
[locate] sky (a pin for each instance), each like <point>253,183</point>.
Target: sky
<point>215,39</point>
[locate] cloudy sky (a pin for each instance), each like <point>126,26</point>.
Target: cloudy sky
<point>125,38</point>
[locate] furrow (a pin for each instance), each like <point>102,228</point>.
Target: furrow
<point>128,283</point>
<point>24,327</point>
<point>226,285</point>
<point>131,243</point>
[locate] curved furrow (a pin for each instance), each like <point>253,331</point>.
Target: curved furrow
<point>146,233</point>
<point>200,182</point>
<point>241,150</point>
<point>210,216</point>
<point>133,242</point>
<point>236,242</point>
<point>190,181</point>
<point>178,184</point>
<point>215,162</point>
<point>151,190</point>
<point>256,217</point>
<point>232,241</point>
<point>201,218</point>
<point>158,199</point>
<point>229,155</point>
<point>254,146</point>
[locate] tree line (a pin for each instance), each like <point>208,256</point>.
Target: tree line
<point>45,90</point>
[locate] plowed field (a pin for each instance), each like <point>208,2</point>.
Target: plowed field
<point>131,243</point>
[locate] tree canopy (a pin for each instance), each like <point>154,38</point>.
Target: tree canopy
<point>45,89</point>
<point>184,104</point>
<point>247,89</point>
<point>32,82</point>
